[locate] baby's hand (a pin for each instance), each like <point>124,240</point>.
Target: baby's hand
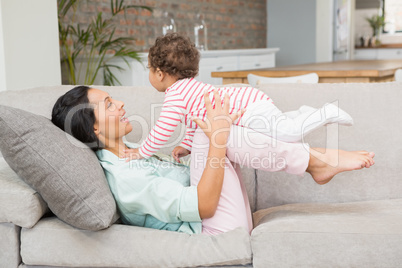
<point>132,154</point>
<point>179,152</point>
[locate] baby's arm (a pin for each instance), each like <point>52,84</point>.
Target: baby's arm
<point>179,152</point>
<point>171,115</point>
<point>185,147</point>
<point>187,142</point>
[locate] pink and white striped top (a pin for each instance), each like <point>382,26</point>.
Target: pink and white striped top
<point>185,99</point>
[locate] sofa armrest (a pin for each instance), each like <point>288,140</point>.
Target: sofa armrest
<point>19,203</point>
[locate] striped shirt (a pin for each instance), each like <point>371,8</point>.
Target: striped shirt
<point>185,99</point>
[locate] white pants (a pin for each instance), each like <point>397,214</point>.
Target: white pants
<point>265,117</point>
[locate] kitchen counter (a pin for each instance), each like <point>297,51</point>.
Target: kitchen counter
<point>381,46</point>
<point>383,52</point>
<point>354,71</point>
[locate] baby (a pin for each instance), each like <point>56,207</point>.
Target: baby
<point>173,63</point>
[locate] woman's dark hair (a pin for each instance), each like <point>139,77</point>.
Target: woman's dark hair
<point>73,114</point>
<point>176,55</point>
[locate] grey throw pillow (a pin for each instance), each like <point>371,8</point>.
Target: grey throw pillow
<point>62,170</point>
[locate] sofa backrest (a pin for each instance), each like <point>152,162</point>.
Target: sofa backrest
<point>378,127</point>
<point>376,110</point>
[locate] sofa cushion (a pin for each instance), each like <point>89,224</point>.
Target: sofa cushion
<point>9,245</point>
<point>19,203</point>
<point>360,234</point>
<point>130,246</point>
<point>65,172</point>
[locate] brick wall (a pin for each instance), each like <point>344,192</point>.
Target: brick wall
<point>232,24</point>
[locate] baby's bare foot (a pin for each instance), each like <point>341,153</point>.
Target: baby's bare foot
<point>326,163</point>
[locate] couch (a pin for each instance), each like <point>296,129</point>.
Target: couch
<point>353,221</point>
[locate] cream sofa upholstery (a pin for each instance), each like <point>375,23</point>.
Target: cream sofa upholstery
<point>353,221</point>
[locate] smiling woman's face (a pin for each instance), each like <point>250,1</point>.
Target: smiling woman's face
<point>111,124</point>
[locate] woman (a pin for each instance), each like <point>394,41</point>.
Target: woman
<point>156,193</point>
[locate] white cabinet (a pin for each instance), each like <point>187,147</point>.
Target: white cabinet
<point>215,64</point>
<point>393,53</point>
<point>211,61</point>
<point>247,62</point>
<point>378,53</point>
<point>139,72</point>
<point>365,54</point>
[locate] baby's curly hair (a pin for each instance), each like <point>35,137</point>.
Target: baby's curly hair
<point>176,55</point>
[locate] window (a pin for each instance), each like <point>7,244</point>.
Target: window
<point>392,10</point>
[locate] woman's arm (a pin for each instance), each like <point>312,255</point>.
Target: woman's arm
<point>210,185</point>
<point>217,129</point>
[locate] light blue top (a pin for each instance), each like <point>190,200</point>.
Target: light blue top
<point>153,192</point>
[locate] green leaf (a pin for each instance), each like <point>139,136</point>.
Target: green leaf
<point>93,43</point>
<point>64,6</point>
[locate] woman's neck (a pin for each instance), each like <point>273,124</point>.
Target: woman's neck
<point>116,147</point>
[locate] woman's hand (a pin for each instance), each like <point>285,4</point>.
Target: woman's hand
<point>218,122</point>
<point>179,152</point>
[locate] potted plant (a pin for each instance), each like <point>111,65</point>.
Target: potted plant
<point>377,23</point>
<point>89,50</point>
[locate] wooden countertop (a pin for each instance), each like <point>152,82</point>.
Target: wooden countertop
<point>355,68</point>
<point>381,46</point>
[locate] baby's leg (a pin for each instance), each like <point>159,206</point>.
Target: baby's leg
<point>292,126</point>
<point>252,149</point>
<point>302,109</point>
<point>233,208</point>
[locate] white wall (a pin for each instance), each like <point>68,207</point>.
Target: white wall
<point>324,30</point>
<point>362,27</point>
<point>303,30</point>
<point>30,44</point>
<point>352,42</point>
<point>291,27</point>
<point>2,56</point>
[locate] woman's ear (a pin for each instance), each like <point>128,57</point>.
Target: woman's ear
<point>96,131</point>
<point>99,135</point>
